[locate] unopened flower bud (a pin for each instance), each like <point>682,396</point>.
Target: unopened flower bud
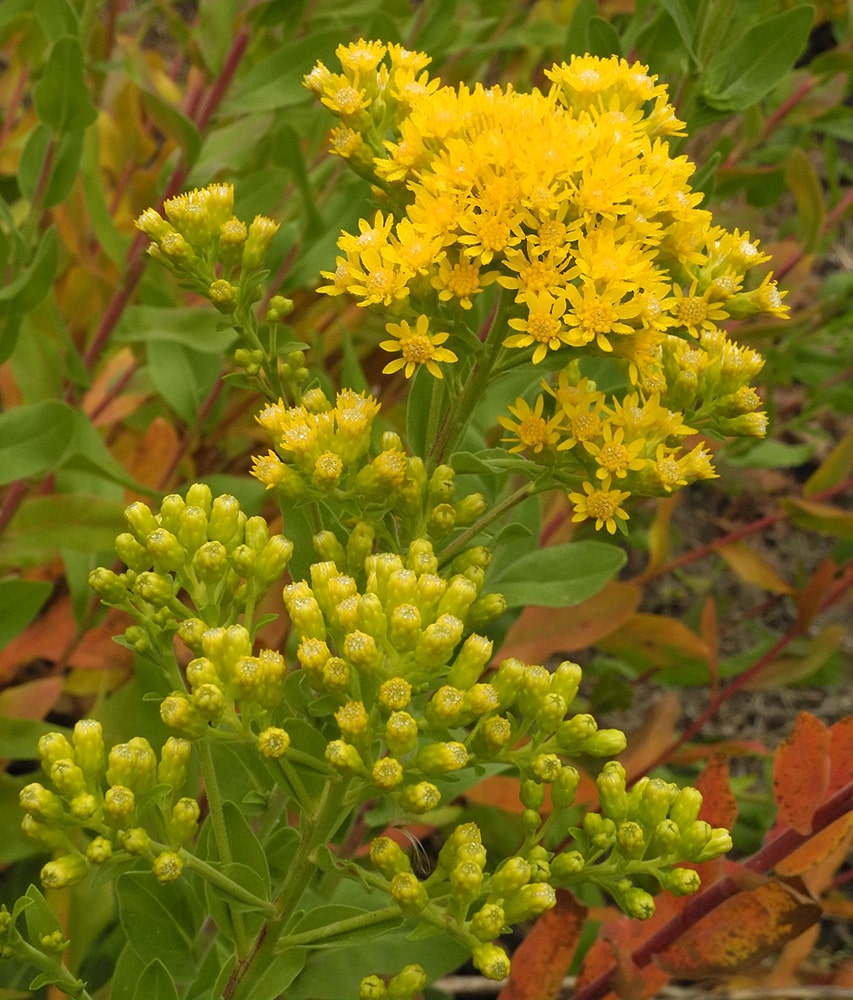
<point>488,922</point>
<point>638,903</point>
<point>83,806</point>
<point>192,529</point>
<point>388,858</point>
<point>210,562</point>
<point>496,733</point>
<point>362,651</point>
<point>178,712</point>
<point>174,762</point>
<point>409,893</point>
<point>49,836</point>
<point>532,794</point>
<point>166,551</point>
<point>421,557</point>
<point>682,881</point>
<point>567,864</point>
<point>132,553</point>
<point>438,641</point>
<point>459,596</point>
<point>694,837</point>
<point>372,988</point>
<point>442,520</point>
<point>408,983</point>
<point>530,901</point>
<point>183,823</point>
<point>552,711</point>
<point>344,757</point>
<point>272,560</point>
<point>486,609</point>
<point>469,508</point>
<point>535,688</point>
<point>600,830</point>
<point>470,662</point>
<point>190,631</point>
<point>108,586</point>
<point>279,308</point>
<point>685,809</point>
<point>653,801</point>
<point>136,841</point>
<point>167,867</point>
<point>611,791</point>
<point>41,802</point>
<point>566,680</point>
<point>404,627</point>
<point>491,960</point>
<point>225,521</point>
<point>223,295</point>
<point>481,700</point>
<point>466,880</point>
<point>630,839</point>
<point>261,232</point>
<point>401,733</point>
<point>719,843</point>
<point>564,786</point>
<point>209,701</point>
<point>442,758</point>
<point>154,589</point>
<point>336,675</point>
<point>395,694</point>
<point>574,733</point>
<point>510,877</point>
<point>99,851</point>
<point>420,798</point>
<point>387,773</point>
<point>88,741</point>
<point>67,778</point>
<point>445,707</point>
<point>273,743</point>
<point>140,520</point>
<point>119,805</point>
<point>65,871</point>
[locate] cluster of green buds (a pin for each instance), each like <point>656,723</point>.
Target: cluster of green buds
<point>109,804</point>
<point>202,548</point>
<point>213,252</point>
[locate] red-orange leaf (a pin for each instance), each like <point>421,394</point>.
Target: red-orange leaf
<point>801,772</point>
<point>840,755</point>
<point>618,938</point>
<point>818,848</point>
<point>541,960</point>
<point>719,806</point>
<point>740,932</point>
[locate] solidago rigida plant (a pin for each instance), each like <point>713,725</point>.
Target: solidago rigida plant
<point>546,278</point>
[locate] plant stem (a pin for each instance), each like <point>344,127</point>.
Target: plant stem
<point>388,914</point>
<point>492,515</point>
<point>223,882</point>
<point>52,967</point>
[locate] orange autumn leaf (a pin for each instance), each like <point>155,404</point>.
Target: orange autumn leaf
<point>817,848</point>
<point>542,958</point>
<point>540,632</point>
<point>740,932</point>
<point>719,805</point>
<point>840,755</point>
<point>502,791</point>
<point>650,739</point>
<point>618,938</point>
<point>801,772</point>
<point>751,566</point>
<point>664,641</point>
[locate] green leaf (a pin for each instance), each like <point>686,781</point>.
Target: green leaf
<point>682,14</point>
<point>193,327</point>
<point>742,73</point>
<point>769,454</point>
<point>128,969</point>
<point>88,453</point>
<point>155,983</point>
<point>20,602</point>
<point>160,921</point>
<point>182,376</point>
<point>275,979</point>
<point>41,920</point>
<point>245,846</point>
<point>558,576</point>
<point>61,97</point>
<point>577,36</point>
<point>802,181</point>
<point>604,41</point>
<point>33,439</point>
<point>56,18</point>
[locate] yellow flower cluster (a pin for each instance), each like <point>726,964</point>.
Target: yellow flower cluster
<point>569,198</point>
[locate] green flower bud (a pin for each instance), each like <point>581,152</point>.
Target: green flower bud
<point>719,843</point>
<point>53,747</point>
<point>88,740</point>
<point>344,757</point>
<point>362,652</point>
<point>442,520</point>
<point>372,988</point>
<point>132,553</point>
<point>566,680</point>
<point>464,835</point>
<point>199,495</point>
<point>279,308</point>
<point>510,877</point>
<point>140,521</point>
<point>477,555</point>
<point>359,545</point>
<point>530,821</point>
<point>532,794</point>
<point>552,711</point>
<point>353,722</point>
<point>210,562</point>
<point>491,960</point>
<point>600,830</point>
<point>469,508</point>
<point>638,903</point>
<point>136,841</point>
<point>420,798</point>
<point>336,675</point>
<point>575,733</point>
<point>611,791</point>
<point>442,758</point>
<point>154,589</point>
<point>401,588</point>
<point>429,591</point>
<point>488,922</point>
<point>442,485</point>
<point>665,840</point>
<point>466,880</point>
<point>566,865</point>
<point>41,802</point>
<point>166,551</point>
<point>132,764</point>
<point>682,881</point>
<point>171,508</point>
<point>564,787</point>
<point>174,762</point>
<point>192,529</point>
<point>65,871</point>
<point>243,560</point>
<point>201,671</point>
<point>260,235</point>
<point>304,610</point>
<point>108,586</point>
<point>408,893</point>
<point>473,852</point>
<point>183,824</point>
<point>226,520</point>
<point>631,839</point>
<point>395,694</point>
<point>530,901</point>
<point>388,858</point>
<point>486,609</point>
<point>178,712</point>
<point>167,867</point>
<point>409,981</point>
<point>459,596</point>
<point>535,684</point>
<point>119,805</point>
<point>445,708</point>
<point>99,851</point>
<point>436,645</point>
<point>51,837</point>
<point>545,766</point>
<point>223,295</point>
<point>209,701</point>
<point>273,743</point>
<point>83,806</point>
<point>685,809</point>
<point>387,773</point>
<point>404,627</point>
<point>481,700</point>
<point>470,662</point>
<point>272,560</point>
<point>656,797</point>
<point>496,733</point>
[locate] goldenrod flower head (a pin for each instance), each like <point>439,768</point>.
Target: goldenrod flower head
<point>601,504</point>
<point>417,347</point>
<point>543,327</point>
<point>613,456</point>
<point>530,431</point>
